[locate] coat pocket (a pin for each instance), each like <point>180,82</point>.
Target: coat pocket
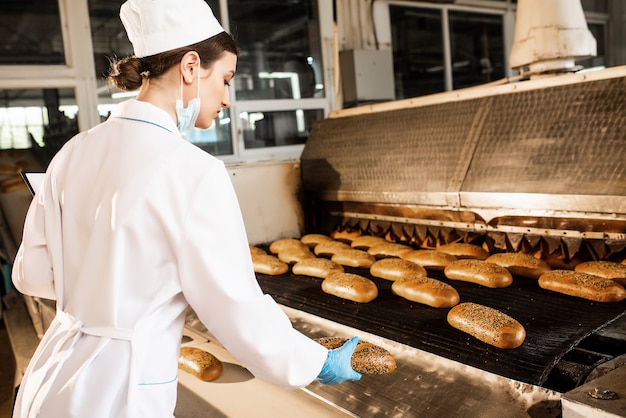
<point>156,399</point>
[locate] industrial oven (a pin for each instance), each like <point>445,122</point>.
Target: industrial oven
<point>536,166</point>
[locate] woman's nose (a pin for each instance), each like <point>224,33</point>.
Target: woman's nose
<point>226,99</point>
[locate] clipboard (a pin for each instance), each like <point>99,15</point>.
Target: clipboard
<point>33,180</point>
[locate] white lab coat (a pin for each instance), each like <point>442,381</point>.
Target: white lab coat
<point>132,224</point>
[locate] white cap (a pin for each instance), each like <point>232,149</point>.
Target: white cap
<point>155,26</point>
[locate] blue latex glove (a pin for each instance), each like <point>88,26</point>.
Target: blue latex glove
<point>337,368</point>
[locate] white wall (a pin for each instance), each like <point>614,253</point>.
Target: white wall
<point>268,194</point>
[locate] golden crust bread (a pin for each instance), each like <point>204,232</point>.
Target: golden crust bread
<point>254,250</point>
<point>582,285</point>
<point>426,291</point>
<point>479,272</point>
<point>557,261</point>
<point>520,264</point>
<point>329,248</point>
<point>396,269</point>
<point>269,264</point>
<point>606,269</point>
<point>487,324</point>
<point>367,357</point>
<point>313,239</point>
<point>464,250</point>
<point>352,257</point>
<point>388,249</point>
<point>316,267</point>
<point>202,364</point>
<point>430,259</point>
<point>364,242</point>
<point>286,243</point>
<point>294,255</point>
<point>345,236</point>
<point>351,287</point>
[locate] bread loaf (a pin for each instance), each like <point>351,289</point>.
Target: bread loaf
<point>294,255</point>
<point>351,287</point>
<point>464,250</point>
<point>269,264</point>
<point>582,285</point>
<point>427,291</point>
<point>396,269</point>
<point>313,239</point>
<point>388,249</point>
<point>345,236</point>
<point>353,258</point>
<point>367,358</point>
<point>316,267</point>
<point>479,272</point>
<point>254,250</point>
<point>558,261</point>
<point>286,243</point>
<point>520,264</point>
<point>606,269</point>
<point>487,324</point>
<point>429,259</point>
<point>202,364</point>
<point>329,248</point>
<point>364,242</point>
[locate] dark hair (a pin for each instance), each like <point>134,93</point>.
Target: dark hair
<point>128,73</point>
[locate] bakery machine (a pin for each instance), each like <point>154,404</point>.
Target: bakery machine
<point>535,166</point>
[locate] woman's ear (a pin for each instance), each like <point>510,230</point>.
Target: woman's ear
<point>189,65</point>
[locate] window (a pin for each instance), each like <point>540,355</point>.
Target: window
<point>31,33</point>
<point>37,117</point>
<point>437,49</point>
<point>278,90</point>
<point>279,128</point>
<point>281,51</point>
<point>418,56</point>
<point>279,86</point>
<point>476,47</point>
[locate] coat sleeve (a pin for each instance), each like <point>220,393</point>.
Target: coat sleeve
<point>219,282</point>
<point>32,269</point>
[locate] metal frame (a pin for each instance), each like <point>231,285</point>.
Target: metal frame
<point>77,73</point>
<point>240,153</point>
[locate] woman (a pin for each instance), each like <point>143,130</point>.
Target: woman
<point>132,224</point>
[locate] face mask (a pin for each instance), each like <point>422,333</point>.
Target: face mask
<point>187,116</point>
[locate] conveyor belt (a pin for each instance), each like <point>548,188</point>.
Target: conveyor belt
<point>554,323</point>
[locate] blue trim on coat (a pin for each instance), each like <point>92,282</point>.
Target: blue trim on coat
<point>159,383</point>
<point>144,121</point>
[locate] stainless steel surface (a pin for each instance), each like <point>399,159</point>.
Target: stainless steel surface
<point>424,385</point>
<point>538,166</point>
<point>585,402</point>
<point>552,147</point>
<point>486,228</point>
